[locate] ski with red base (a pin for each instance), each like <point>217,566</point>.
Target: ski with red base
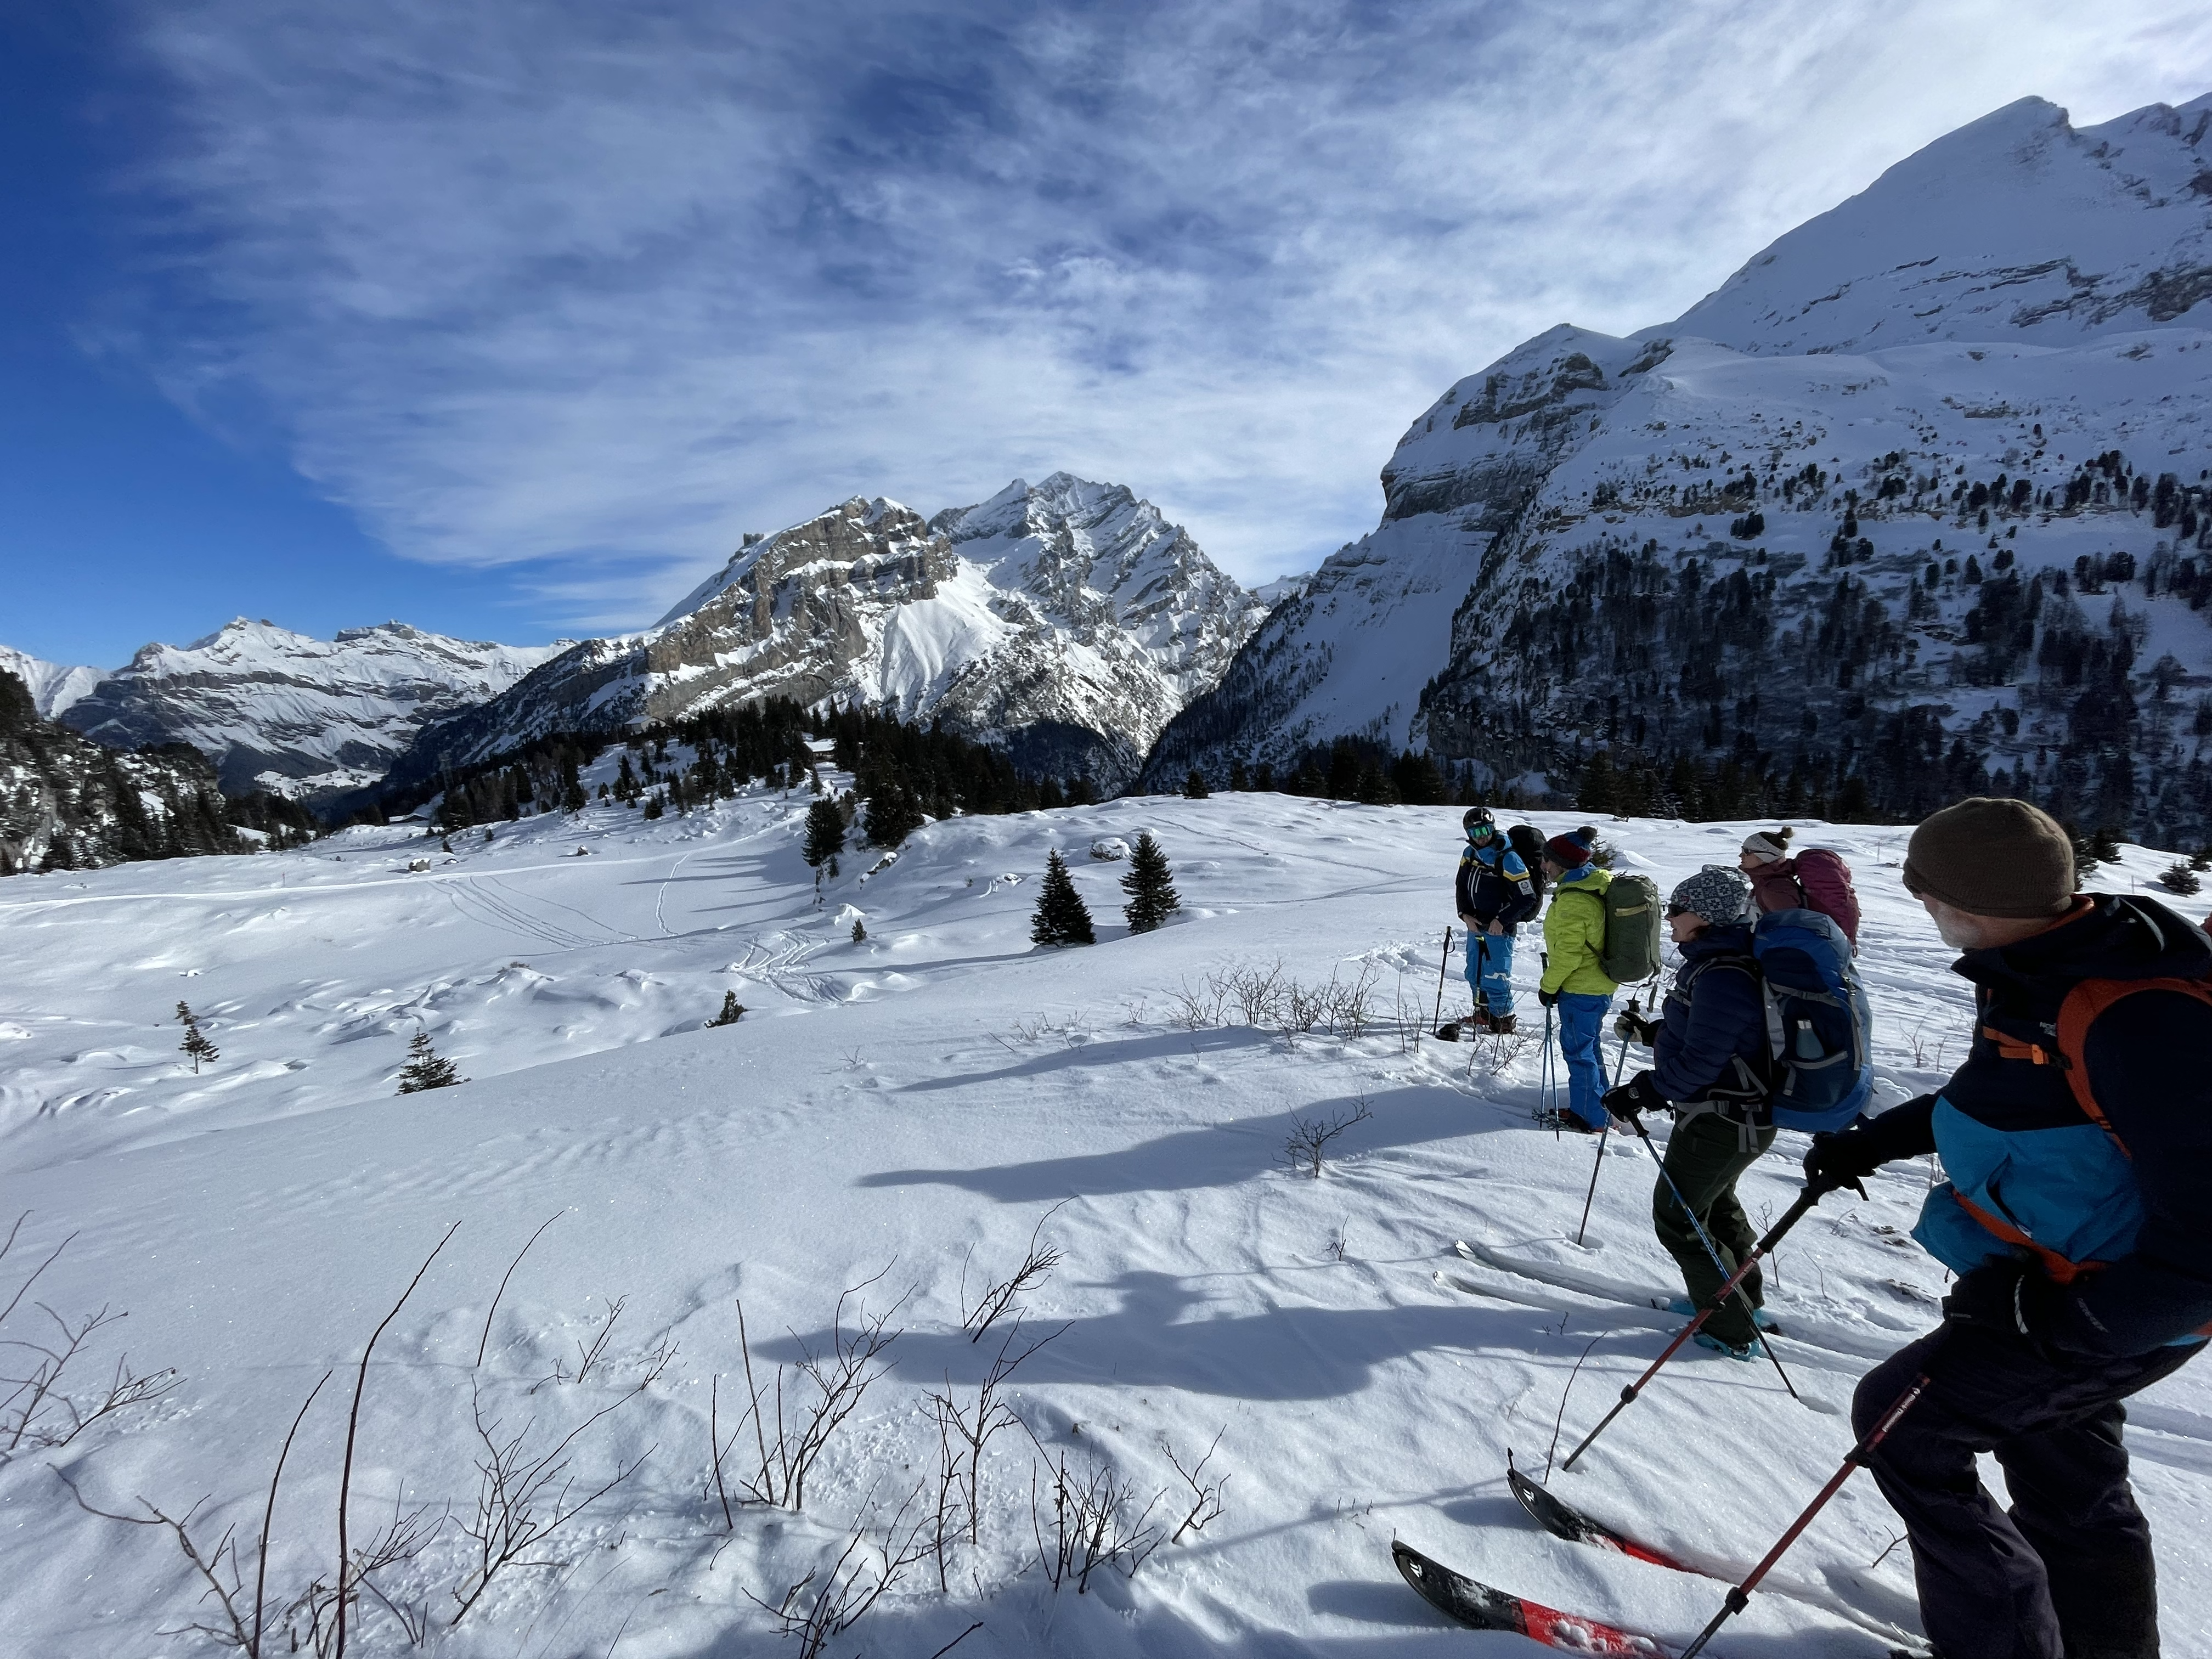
<point>1563,1520</point>
<point>1480,1607</point>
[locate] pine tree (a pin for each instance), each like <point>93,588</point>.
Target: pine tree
<point>196,1042</point>
<point>732,1010</point>
<point>1194,787</point>
<point>1062,918</point>
<point>893,815</point>
<point>426,1068</point>
<point>1150,886</point>
<point>859,931</point>
<point>825,832</point>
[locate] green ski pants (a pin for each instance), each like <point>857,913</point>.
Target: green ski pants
<point>1705,1156</point>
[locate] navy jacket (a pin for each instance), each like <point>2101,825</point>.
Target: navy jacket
<point>1715,1014</point>
<point>2022,1155</point>
<point>1494,885</point>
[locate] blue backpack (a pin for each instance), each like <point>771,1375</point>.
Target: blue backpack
<point>1820,1029</point>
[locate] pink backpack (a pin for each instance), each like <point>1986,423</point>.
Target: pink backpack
<point>1826,881</point>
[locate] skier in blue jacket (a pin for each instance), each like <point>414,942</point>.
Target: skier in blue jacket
<point>2077,1141</point>
<point>1495,893</point>
<point>1709,1056</point>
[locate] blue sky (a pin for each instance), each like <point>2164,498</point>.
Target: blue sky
<point>508,319</point>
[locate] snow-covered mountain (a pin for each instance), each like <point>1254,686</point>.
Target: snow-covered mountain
<point>292,714</point>
<point>1922,496</point>
<point>1068,621</point>
<point>53,686</point>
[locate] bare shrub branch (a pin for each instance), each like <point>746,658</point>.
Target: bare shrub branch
<point>963,1432</point>
<point>524,1495</point>
<point>840,1375</point>
<point>1094,1525</point>
<point>1205,1496</point>
<point>856,1579</point>
<point>353,1428</point>
<point>1037,1266</point>
<point>37,1413</point>
<point>1308,1143</point>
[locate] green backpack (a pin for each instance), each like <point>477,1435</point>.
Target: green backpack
<point>1631,929</point>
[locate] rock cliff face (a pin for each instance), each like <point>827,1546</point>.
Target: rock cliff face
<point>1068,623</point>
<point>1919,500</point>
<point>67,804</point>
<point>292,714</point>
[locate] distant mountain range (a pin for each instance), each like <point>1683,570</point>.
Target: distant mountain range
<point>1917,502</point>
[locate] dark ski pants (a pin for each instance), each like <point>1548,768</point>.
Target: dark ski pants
<point>2068,1571</point>
<point>1705,1156</point>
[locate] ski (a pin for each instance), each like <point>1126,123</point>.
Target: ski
<point>1480,1607</point>
<point>1563,1520</point>
<point>1818,1334</point>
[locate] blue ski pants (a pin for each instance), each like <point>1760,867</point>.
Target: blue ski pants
<point>1582,1023</point>
<point>1490,971</point>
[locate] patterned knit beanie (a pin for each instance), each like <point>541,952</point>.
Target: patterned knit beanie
<point>1573,849</point>
<point>1717,892</point>
<point>1768,845</point>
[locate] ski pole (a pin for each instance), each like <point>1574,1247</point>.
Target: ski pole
<point>1790,1217</point>
<point>1442,962</point>
<point>1604,1129</point>
<point>1738,1597</point>
<point>1721,1267</point>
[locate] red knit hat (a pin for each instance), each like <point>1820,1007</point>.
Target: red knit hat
<point>1572,849</point>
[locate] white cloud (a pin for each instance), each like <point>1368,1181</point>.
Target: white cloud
<point>590,293</point>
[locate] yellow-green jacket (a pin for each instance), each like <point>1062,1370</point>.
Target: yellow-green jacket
<point>1574,937</point>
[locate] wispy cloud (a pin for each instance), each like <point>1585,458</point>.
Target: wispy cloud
<point>589,290</point>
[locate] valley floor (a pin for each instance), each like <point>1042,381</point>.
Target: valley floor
<point>903,1113</point>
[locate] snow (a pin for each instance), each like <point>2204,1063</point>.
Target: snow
<point>901,1111</point>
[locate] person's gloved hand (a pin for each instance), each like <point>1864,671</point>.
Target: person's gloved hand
<point>1638,1094</point>
<point>1842,1160</point>
<point>1637,1029</point>
<point>2018,1298</point>
<point>1548,999</point>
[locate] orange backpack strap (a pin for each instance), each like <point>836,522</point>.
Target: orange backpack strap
<point>2075,1015</point>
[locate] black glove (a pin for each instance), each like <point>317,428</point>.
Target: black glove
<point>1839,1161</point>
<point>1635,1027</point>
<point>1845,1159</point>
<point>1638,1094</point>
<point>1548,999</point>
<point>2018,1298</point>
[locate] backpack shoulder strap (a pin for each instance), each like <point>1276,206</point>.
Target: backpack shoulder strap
<point>2091,998</point>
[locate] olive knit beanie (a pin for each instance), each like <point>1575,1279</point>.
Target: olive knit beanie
<point>1768,845</point>
<point>1992,858</point>
<point>1717,892</point>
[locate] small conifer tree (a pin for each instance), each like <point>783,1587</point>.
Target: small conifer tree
<point>2180,878</point>
<point>196,1042</point>
<point>732,1010</point>
<point>1194,787</point>
<point>825,833</point>
<point>860,931</point>
<point>426,1068</point>
<point>1150,886</point>
<point>1061,917</point>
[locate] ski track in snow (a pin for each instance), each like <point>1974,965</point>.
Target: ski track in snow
<point>907,1109</point>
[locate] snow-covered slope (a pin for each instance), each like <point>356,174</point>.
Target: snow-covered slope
<point>1068,622</point>
<point>53,687</point>
<point>1712,543</point>
<point>297,715</point>
<point>907,1108</point>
